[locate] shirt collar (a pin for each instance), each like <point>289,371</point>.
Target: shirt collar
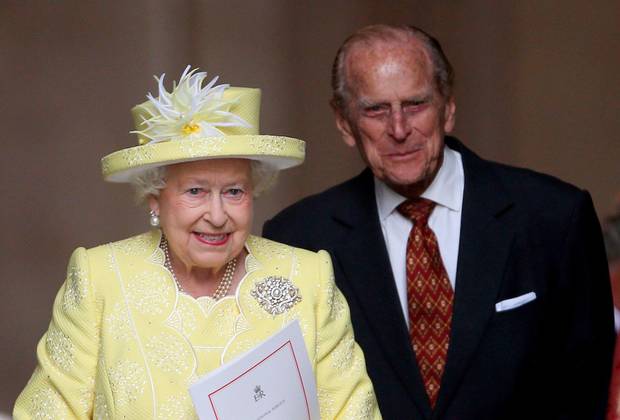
<point>446,189</point>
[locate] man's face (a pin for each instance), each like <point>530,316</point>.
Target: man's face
<point>395,115</point>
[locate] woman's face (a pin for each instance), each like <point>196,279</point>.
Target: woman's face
<point>205,211</point>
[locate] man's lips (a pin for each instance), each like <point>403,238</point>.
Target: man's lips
<point>213,239</point>
<point>404,155</point>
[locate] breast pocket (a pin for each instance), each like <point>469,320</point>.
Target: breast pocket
<point>515,302</point>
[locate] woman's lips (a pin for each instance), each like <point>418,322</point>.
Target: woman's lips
<point>212,239</point>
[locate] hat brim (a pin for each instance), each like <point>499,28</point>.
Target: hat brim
<point>278,152</point>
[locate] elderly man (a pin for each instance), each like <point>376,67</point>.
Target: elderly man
<point>477,290</point>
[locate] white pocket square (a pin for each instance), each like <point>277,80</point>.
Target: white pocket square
<point>515,302</point>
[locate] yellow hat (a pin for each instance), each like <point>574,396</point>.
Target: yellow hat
<point>195,122</point>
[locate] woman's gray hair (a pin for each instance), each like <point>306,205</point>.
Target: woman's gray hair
<point>148,182</point>
<point>151,181</point>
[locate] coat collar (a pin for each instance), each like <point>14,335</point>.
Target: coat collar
<point>140,268</point>
<point>165,337</point>
<point>485,242</point>
<point>373,282</point>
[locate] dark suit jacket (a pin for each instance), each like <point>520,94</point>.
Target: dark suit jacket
<point>520,232</point>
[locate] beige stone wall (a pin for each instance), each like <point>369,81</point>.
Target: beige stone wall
<point>537,86</point>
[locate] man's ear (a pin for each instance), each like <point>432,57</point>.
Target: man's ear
<point>343,125</point>
<point>449,115</point>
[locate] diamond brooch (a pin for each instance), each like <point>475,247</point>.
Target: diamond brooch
<point>276,294</point>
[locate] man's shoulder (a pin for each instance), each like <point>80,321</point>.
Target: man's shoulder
<point>538,201</point>
<point>315,221</point>
<point>521,183</point>
<point>528,183</point>
<point>331,199</point>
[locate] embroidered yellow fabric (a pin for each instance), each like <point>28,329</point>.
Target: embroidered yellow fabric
<point>125,343</point>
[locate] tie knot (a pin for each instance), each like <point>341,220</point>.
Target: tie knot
<point>417,209</point>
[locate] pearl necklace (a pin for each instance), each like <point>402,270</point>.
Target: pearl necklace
<point>222,288</point>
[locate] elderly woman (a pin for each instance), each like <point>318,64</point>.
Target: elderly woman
<point>138,321</point>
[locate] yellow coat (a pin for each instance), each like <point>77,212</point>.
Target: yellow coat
<point>124,343</point>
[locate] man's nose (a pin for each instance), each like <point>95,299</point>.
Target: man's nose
<point>398,125</point>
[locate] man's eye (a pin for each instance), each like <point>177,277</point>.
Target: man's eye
<point>414,104</point>
<point>374,109</point>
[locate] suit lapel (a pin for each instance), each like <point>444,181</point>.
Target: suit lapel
<point>485,243</point>
<point>365,263</point>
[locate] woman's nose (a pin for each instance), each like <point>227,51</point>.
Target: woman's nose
<point>215,214</point>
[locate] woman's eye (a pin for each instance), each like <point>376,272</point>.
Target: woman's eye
<point>234,193</point>
<point>194,191</point>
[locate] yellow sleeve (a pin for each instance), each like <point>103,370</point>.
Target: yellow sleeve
<point>344,389</point>
<point>62,385</point>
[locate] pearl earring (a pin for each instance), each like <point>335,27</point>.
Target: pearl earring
<point>154,219</point>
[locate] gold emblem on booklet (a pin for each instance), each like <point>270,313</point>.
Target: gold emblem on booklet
<point>258,393</point>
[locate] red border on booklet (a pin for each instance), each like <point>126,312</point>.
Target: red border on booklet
<point>288,343</point>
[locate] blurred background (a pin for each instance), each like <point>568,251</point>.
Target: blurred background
<point>537,85</point>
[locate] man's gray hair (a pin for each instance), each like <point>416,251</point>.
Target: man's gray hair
<point>443,74</point>
<point>151,181</point>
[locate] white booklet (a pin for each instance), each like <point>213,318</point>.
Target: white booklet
<point>273,381</point>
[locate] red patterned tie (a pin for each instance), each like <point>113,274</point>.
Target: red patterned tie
<point>429,295</point>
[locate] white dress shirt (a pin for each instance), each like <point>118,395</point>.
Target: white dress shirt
<point>447,191</point>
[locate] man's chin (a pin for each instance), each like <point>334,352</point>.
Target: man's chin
<point>403,175</point>
<point>407,186</point>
